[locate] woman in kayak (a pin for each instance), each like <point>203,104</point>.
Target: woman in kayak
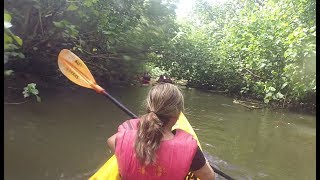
<point>146,148</point>
<point>145,79</point>
<point>165,78</point>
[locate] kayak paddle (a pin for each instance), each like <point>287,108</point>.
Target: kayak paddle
<point>76,71</point>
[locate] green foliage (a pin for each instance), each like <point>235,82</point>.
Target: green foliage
<point>274,47</point>
<point>265,50</point>
<point>154,71</point>
<point>31,89</point>
<point>114,35</point>
<point>8,72</point>
<point>69,30</point>
<point>12,42</point>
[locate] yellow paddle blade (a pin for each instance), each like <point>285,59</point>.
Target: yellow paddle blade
<point>76,71</point>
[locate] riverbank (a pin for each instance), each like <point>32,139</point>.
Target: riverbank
<point>251,102</point>
<point>13,87</point>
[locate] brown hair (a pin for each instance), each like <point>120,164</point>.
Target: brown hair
<point>164,100</point>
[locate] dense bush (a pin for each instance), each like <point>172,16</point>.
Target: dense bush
<point>264,50</point>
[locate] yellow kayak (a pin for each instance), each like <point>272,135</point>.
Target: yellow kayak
<point>110,169</point>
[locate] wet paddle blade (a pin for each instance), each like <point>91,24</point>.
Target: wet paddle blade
<point>76,71</point>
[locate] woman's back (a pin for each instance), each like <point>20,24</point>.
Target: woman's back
<point>174,157</point>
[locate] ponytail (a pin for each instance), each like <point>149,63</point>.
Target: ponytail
<point>148,138</point>
<point>163,102</point>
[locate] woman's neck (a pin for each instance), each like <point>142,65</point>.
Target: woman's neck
<point>167,133</point>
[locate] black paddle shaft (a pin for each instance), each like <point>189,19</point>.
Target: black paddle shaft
<point>221,173</point>
<point>123,108</point>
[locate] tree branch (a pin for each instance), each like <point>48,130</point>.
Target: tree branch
<point>253,74</point>
<point>15,103</point>
<point>40,22</point>
<point>96,66</point>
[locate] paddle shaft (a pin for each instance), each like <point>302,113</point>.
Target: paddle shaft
<point>221,173</point>
<point>123,108</point>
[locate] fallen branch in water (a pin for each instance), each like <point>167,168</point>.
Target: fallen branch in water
<point>213,91</point>
<point>14,88</point>
<point>245,105</point>
<point>15,103</point>
<point>248,102</point>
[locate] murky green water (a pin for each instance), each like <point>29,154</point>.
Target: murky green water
<point>64,137</point>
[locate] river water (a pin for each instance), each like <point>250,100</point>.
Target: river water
<point>64,136</point>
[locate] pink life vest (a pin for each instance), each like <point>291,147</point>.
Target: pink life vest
<point>174,156</point>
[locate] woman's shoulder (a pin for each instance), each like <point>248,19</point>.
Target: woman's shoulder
<point>131,124</point>
<point>185,135</point>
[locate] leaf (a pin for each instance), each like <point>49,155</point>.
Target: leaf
<point>7,17</point>
<point>82,42</point>
<point>279,95</point>
<point>25,94</point>
<point>262,65</point>
<point>31,89</point>
<point>7,39</point>
<point>18,39</point>
<point>7,25</point>
<point>32,85</point>
<point>5,57</point>
<point>8,72</point>
<point>35,91</point>
<point>125,57</point>
<point>96,12</point>
<point>38,98</point>
<point>80,49</point>
<point>272,89</point>
<point>14,54</point>
<point>72,7</point>
<point>20,55</point>
<point>274,97</point>
<point>37,6</point>
<point>266,101</point>
<point>286,54</point>
<point>88,3</point>
<point>269,94</point>
<point>284,85</point>
<point>59,24</point>
<point>107,32</point>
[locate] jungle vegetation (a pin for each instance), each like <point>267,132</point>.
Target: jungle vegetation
<point>261,49</point>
